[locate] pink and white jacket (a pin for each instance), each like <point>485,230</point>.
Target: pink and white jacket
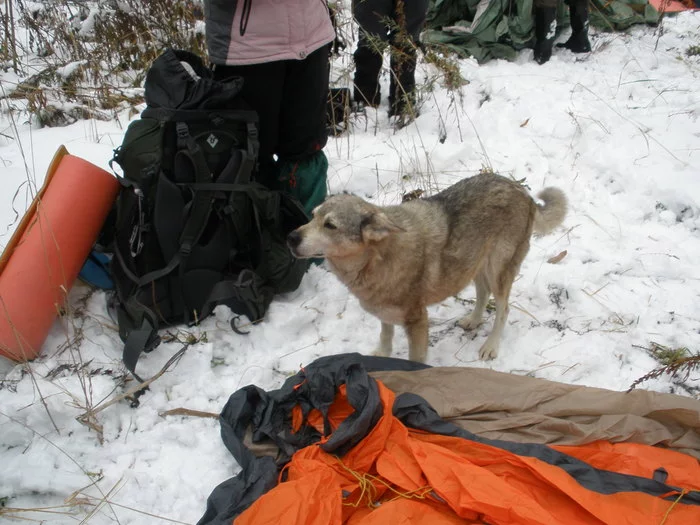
<point>243,32</point>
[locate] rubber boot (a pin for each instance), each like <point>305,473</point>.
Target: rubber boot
<point>578,41</point>
<point>545,31</point>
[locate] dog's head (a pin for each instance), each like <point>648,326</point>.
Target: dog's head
<point>343,226</point>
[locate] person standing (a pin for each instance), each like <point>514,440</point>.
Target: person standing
<point>396,23</point>
<point>281,50</point>
<point>545,14</point>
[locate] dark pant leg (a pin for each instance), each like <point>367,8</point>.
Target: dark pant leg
<point>302,121</point>
<point>263,92</point>
<point>410,18</point>
<point>373,33</point>
<point>303,166</point>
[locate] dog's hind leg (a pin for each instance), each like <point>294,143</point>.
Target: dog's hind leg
<point>489,350</point>
<point>417,333</point>
<point>501,281</point>
<point>483,293</point>
<point>385,340</point>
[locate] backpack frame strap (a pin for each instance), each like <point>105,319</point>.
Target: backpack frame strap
<point>202,200</point>
<point>199,215</point>
<point>143,338</point>
<point>251,156</point>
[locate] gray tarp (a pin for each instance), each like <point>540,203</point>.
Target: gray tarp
<point>488,29</point>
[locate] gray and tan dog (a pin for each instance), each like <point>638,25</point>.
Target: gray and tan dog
<point>398,260</point>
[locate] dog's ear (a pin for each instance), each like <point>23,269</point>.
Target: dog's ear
<point>377,226</point>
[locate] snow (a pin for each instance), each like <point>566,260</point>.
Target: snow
<point>618,130</point>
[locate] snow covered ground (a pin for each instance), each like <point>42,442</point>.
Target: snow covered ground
<point>618,130</point>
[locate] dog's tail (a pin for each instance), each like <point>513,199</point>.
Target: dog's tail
<point>551,213</point>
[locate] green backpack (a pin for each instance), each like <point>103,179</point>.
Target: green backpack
<point>193,229</point>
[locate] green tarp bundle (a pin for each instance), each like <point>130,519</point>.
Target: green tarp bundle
<point>488,29</point>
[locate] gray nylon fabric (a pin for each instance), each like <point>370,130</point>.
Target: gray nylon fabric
<point>218,15</point>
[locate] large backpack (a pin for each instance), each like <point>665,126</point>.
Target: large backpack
<point>193,229</point>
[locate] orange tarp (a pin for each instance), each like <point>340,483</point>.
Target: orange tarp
<point>398,475</point>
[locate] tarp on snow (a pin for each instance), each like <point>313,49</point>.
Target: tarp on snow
<point>488,29</point>
<point>349,440</point>
<point>525,409</point>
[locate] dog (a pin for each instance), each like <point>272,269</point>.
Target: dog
<point>399,259</point>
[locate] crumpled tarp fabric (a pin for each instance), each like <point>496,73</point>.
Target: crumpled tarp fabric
<point>337,445</point>
<point>493,29</point>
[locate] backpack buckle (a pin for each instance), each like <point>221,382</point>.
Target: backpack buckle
<point>182,130</point>
<point>183,134</point>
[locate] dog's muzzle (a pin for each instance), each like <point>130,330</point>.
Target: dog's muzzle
<point>293,241</point>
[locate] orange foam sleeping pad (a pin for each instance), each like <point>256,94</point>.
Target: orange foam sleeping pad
<point>48,249</point>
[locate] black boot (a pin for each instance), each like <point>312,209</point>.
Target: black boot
<point>402,84</point>
<point>578,41</point>
<point>545,30</point>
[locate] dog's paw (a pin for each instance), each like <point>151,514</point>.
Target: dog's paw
<point>382,352</point>
<point>469,323</point>
<point>488,351</point>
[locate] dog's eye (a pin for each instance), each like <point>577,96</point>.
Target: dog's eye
<point>329,225</point>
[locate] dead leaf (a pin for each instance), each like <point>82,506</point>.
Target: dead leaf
<point>525,123</point>
<point>557,258</point>
<point>412,195</point>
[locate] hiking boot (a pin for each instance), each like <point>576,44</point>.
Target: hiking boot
<point>578,41</point>
<point>545,31</point>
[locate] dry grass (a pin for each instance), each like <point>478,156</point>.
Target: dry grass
<point>678,362</point>
<point>84,60</point>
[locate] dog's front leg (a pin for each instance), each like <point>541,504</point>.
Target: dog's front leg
<point>417,333</point>
<point>385,340</point>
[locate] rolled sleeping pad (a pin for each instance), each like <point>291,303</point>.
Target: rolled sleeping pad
<point>48,249</point>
